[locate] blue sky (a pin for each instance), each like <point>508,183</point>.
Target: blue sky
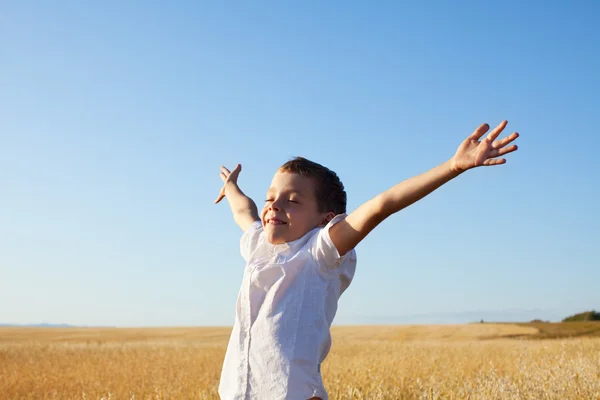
<point>115,118</point>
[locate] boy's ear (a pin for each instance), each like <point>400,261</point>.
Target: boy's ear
<point>328,218</point>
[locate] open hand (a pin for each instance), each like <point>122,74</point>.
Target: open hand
<point>228,177</point>
<point>474,153</point>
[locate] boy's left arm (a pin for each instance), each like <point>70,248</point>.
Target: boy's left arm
<point>472,153</point>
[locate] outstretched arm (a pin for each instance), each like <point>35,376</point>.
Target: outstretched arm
<point>471,153</point>
<point>243,208</point>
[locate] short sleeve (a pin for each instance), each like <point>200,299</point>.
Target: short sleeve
<point>250,240</point>
<point>324,251</point>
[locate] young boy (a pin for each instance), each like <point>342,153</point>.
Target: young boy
<point>300,258</point>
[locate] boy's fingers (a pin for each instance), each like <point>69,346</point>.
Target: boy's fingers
<point>505,150</point>
<point>223,176</point>
<point>497,130</point>
<point>494,161</point>
<point>225,170</point>
<point>501,143</point>
<point>479,132</point>
<point>219,198</point>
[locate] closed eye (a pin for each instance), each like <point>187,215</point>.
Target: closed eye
<point>290,201</point>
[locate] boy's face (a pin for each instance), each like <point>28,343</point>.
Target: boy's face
<point>291,208</point>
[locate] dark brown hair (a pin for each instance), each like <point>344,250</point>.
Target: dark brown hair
<point>329,192</point>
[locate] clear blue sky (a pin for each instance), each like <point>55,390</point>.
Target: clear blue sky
<point>115,118</point>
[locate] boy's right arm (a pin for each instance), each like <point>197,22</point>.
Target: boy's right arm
<point>243,208</point>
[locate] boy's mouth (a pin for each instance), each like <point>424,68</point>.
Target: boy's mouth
<point>275,221</point>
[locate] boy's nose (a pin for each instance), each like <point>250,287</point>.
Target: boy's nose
<point>276,205</point>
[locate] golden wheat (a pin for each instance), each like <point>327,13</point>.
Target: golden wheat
<point>386,362</point>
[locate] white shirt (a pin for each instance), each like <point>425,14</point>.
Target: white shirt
<point>285,307</point>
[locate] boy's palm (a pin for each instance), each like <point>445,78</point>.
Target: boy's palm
<point>474,153</point>
<point>228,177</point>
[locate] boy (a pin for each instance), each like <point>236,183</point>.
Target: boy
<point>300,258</point>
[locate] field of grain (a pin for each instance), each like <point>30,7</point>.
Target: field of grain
<point>478,361</point>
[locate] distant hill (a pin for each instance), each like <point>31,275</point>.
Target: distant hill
<point>42,325</point>
<point>584,316</point>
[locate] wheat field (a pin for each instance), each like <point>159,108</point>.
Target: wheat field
<point>476,361</point>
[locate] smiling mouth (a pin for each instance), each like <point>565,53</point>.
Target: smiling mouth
<point>275,221</point>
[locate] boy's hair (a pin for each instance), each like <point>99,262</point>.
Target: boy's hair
<point>329,191</point>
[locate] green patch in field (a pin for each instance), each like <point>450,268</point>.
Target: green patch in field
<point>562,330</point>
